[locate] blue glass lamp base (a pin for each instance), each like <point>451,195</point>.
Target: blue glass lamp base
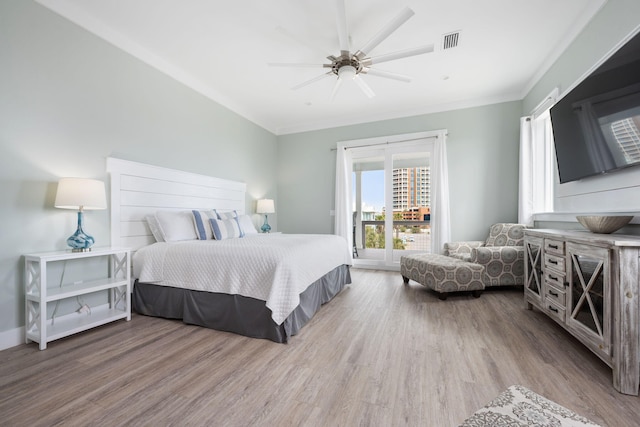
<point>80,241</point>
<point>265,227</point>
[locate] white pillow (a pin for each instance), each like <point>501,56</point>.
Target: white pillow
<point>246,225</point>
<point>202,225</point>
<point>176,225</point>
<point>154,226</point>
<point>225,228</point>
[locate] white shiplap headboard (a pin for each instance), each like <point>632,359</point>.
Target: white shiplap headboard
<point>138,189</point>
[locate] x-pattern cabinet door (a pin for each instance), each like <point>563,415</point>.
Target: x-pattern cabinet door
<point>533,267</point>
<point>589,297</point>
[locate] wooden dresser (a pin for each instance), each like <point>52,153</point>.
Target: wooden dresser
<point>589,284</point>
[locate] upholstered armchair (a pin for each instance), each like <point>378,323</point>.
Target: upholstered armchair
<point>501,254</point>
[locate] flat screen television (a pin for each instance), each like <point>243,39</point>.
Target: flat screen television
<point>596,126</point>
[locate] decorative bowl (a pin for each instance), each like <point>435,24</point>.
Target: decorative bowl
<point>603,224</point>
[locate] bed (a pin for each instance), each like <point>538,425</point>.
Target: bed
<point>263,286</point>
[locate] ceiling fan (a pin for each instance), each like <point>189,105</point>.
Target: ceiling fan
<point>350,66</point>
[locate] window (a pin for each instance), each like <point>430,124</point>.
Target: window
<point>537,165</point>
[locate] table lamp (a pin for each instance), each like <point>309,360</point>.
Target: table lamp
<point>265,206</point>
<point>81,194</point>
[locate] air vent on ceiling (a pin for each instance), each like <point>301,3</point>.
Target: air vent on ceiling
<point>450,40</point>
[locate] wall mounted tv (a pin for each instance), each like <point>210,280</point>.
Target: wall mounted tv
<point>596,126</point>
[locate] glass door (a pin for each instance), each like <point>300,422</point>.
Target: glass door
<point>369,207</point>
<point>411,202</point>
<point>391,188</point>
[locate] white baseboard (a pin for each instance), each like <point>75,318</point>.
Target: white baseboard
<point>11,338</point>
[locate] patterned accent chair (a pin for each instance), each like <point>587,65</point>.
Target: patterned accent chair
<point>501,254</point>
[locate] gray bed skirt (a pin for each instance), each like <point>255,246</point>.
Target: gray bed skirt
<point>236,313</point>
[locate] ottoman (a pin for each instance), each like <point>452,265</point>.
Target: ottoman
<point>442,274</point>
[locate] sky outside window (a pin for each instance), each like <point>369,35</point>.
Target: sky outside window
<point>372,190</point>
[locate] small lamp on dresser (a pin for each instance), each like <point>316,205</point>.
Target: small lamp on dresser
<point>265,206</point>
<point>81,194</point>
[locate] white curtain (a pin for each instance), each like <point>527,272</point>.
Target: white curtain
<point>536,167</point>
<point>344,210</point>
<point>440,214</point>
<point>525,194</point>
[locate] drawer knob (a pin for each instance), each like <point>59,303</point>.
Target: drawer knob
<point>552,293</point>
<point>555,310</point>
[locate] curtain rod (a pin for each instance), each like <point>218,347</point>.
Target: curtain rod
<point>386,143</point>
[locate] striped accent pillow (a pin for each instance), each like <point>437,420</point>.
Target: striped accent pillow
<point>201,223</point>
<point>230,215</point>
<point>226,215</point>
<point>225,228</point>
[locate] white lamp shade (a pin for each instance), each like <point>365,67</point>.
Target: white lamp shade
<point>265,206</point>
<point>80,194</point>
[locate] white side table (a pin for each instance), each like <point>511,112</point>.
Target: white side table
<point>38,294</point>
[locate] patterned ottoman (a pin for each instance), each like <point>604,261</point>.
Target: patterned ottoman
<point>518,406</point>
<point>442,274</point>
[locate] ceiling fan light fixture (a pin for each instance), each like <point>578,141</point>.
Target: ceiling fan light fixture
<point>347,72</point>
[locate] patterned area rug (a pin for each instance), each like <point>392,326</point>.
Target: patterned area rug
<point>518,406</point>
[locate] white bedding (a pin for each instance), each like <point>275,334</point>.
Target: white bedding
<point>275,268</point>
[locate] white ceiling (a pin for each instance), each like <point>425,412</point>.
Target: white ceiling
<point>222,49</point>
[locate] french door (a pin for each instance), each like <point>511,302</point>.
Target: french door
<point>392,201</point>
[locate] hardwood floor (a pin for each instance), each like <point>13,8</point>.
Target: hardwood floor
<point>380,354</point>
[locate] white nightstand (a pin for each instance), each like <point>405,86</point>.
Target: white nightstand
<point>38,294</point>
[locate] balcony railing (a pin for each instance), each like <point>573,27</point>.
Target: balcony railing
<point>419,240</point>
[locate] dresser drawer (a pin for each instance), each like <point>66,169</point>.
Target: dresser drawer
<point>554,262</point>
<point>554,310</point>
<point>552,246</point>
<point>555,278</point>
<point>553,294</point>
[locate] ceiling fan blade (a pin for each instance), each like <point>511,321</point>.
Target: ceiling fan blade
<point>298,65</point>
<point>386,74</point>
<point>336,87</point>
<point>343,31</point>
<point>364,86</point>
<point>313,80</point>
<point>385,32</point>
<point>399,54</point>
